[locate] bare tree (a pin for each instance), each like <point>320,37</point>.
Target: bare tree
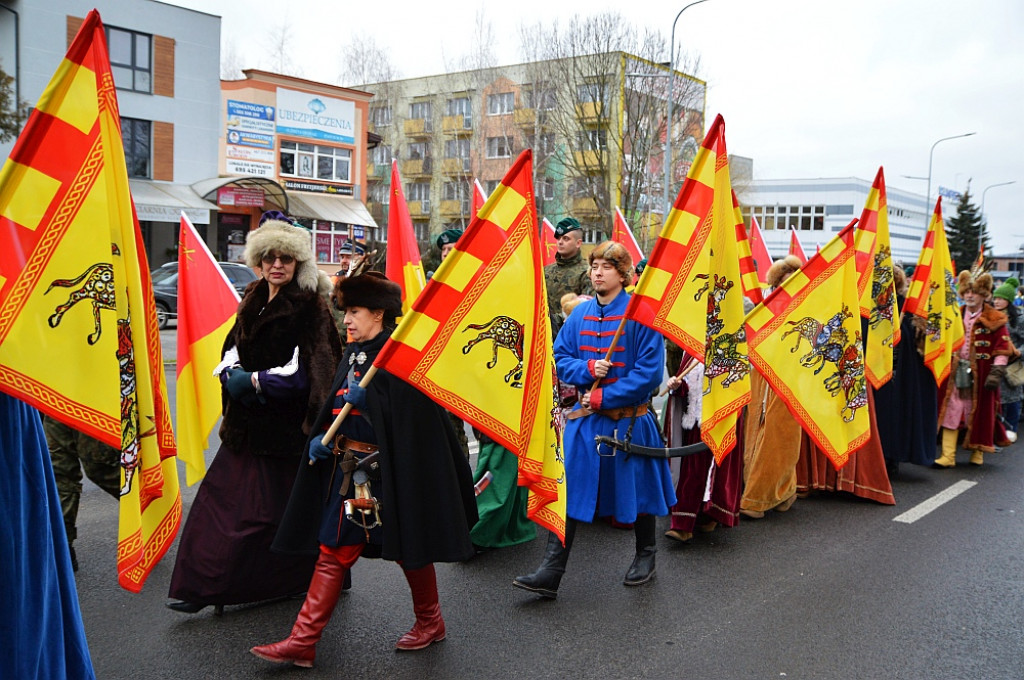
<point>13,112</point>
<point>363,61</point>
<point>279,42</point>
<point>230,62</point>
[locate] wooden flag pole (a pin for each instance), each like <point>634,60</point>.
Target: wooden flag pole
<point>611,348</point>
<point>328,437</point>
<point>681,374</point>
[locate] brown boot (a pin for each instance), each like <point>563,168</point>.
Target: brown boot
<point>429,626</point>
<point>299,648</point>
<point>948,457</point>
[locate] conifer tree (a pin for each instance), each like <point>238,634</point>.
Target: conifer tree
<point>966,233</point>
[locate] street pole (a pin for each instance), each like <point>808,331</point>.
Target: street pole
<point>984,222</point>
<point>668,117</point>
<point>928,193</point>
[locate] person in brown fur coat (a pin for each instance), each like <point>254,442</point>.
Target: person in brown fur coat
<point>969,397</point>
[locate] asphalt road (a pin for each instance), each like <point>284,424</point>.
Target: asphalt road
<point>835,588</point>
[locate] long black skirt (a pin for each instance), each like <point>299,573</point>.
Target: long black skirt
<point>224,555</point>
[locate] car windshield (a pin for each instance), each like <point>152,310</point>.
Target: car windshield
<point>165,275</point>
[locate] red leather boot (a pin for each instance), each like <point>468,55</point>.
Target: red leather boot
<point>429,626</point>
<point>299,648</point>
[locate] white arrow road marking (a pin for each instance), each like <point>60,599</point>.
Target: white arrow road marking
<point>936,501</point>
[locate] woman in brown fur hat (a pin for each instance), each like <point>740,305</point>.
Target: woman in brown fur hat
<point>278,359</point>
<point>970,396</point>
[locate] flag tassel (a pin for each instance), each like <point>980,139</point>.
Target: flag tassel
<point>328,437</point>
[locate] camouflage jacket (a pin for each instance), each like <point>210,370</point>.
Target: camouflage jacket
<point>565,276</point>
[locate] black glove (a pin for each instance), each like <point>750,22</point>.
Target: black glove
<point>240,387</point>
<point>995,376</point>
<point>318,451</point>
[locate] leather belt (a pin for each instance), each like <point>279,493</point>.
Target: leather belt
<point>347,448</point>
<point>343,443</point>
<point>613,413</point>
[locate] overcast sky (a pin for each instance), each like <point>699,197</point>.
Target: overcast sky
<point>808,88</point>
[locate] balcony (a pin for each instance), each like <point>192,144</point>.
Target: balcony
<point>455,166</point>
<point>419,210</point>
<point>376,171</point>
<point>585,207</point>
<point>417,167</point>
<point>378,211</point>
<point>457,125</point>
<point>590,161</point>
<point>589,112</point>
<point>454,209</point>
<point>530,119</point>
<point>418,127</point>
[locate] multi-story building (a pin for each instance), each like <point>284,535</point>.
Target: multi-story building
<point>165,61</point>
<point>818,208</point>
<point>595,123</point>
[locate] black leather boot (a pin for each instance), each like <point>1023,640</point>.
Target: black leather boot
<point>642,569</point>
<point>545,580</point>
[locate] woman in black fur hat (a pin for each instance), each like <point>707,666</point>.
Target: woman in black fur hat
<point>275,374</point>
<point>401,445</point>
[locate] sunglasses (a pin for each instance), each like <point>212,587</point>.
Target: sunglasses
<point>269,259</point>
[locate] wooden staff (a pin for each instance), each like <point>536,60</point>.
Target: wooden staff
<point>611,348</point>
<point>328,437</point>
<point>681,374</point>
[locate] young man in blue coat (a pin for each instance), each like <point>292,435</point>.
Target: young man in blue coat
<point>633,489</point>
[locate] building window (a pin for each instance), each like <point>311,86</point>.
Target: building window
<point>380,116</point>
<point>500,104</point>
<point>419,151</point>
<point>592,92</point>
<point>459,106</point>
<point>329,237</point>
<point>419,110</point>
<point>542,145</point>
<point>546,188</point>
<point>490,185</point>
<point>499,147</point>
<point>799,217</point>
<point>380,193</point>
<point>131,59</point>
<point>540,98</point>
<point>381,155</point>
<point>418,191</point>
<point>138,138</point>
<point>592,140</point>
<point>328,163</point>
<point>456,191</point>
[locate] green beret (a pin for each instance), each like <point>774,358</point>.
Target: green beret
<point>565,225</point>
<point>448,236</point>
<point>1007,291</point>
<point>640,266</point>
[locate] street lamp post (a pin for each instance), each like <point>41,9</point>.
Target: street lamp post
<point>668,117</point>
<point>928,194</point>
<point>984,222</point>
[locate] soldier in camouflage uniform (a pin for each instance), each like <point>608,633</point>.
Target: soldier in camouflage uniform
<point>445,243</point>
<point>71,452</point>
<point>570,273</point>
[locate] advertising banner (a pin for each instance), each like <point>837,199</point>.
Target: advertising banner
<point>300,114</point>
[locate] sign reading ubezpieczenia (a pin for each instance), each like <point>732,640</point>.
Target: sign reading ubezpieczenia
<point>301,114</point>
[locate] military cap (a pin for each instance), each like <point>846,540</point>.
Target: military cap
<point>350,248</point>
<point>640,266</point>
<point>448,236</point>
<point>565,225</point>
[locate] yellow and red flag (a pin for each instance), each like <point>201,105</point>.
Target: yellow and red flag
<point>795,248</point>
<point>548,242</point>
<point>932,297</point>
<point>403,255</point>
<point>206,311</point>
<point>78,330</point>
<point>623,235</point>
<point>748,269</point>
<point>691,290</point>
<point>490,292</point>
<point>759,250</point>
<point>875,283</point>
<point>805,340</point>
<point>478,199</point>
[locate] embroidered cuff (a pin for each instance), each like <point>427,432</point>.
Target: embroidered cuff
<point>595,398</point>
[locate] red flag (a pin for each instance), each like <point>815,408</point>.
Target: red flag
<point>748,272</point>
<point>549,243</point>
<point>206,312</point>
<point>622,234</point>
<point>403,255</point>
<point>478,200</point>
<point>795,248</point>
<point>759,250</point>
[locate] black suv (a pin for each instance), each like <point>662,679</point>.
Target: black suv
<point>165,287</point>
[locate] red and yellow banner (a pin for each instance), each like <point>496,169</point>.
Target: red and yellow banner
<point>748,268</point>
<point>692,292</point>
<point>207,303</point>
<point>403,255</point>
<point>759,251</point>
<point>805,340</point>
<point>875,283</point>
<point>478,200</point>
<point>623,235</point>
<point>932,297</point>
<point>78,330</point>
<point>548,242</point>
<point>478,341</point>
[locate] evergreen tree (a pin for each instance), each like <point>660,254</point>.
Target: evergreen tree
<point>966,233</point>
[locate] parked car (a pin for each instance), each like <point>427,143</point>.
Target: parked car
<point>165,287</point>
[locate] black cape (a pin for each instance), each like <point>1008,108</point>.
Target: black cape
<point>425,477</point>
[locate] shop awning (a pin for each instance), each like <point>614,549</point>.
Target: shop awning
<point>274,196</point>
<point>164,202</point>
<point>344,209</point>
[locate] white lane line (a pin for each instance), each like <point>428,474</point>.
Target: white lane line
<point>936,501</point>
